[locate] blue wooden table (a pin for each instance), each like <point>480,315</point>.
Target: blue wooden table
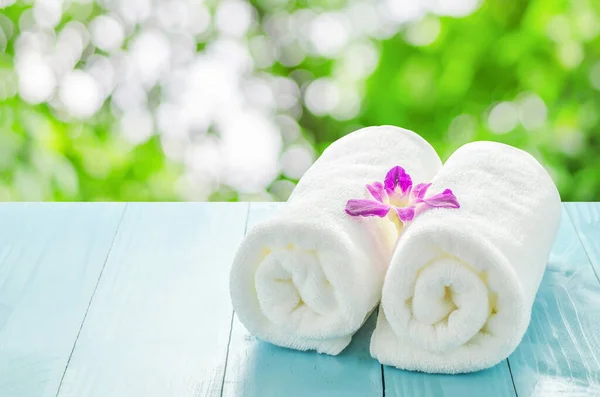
<point>111,300</point>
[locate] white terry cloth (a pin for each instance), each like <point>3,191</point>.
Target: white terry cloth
<point>308,277</point>
<point>461,284</point>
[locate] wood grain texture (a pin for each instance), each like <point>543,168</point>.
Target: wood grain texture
<point>160,316</point>
<point>492,382</point>
<point>159,322</point>
<point>560,353</point>
<point>51,256</point>
<point>586,219</point>
<point>259,369</point>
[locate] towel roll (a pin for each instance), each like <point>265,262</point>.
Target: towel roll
<point>308,277</point>
<point>461,283</point>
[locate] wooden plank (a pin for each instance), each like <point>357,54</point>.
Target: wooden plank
<point>560,354</point>
<point>160,320</point>
<point>51,256</point>
<point>260,369</point>
<point>586,219</point>
<point>262,211</point>
<point>492,382</point>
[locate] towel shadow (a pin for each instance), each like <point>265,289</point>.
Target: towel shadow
<point>492,381</point>
<point>276,371</point>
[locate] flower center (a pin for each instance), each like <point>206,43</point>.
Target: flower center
<point>398,200</point>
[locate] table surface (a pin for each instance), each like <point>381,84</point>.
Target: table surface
<point>130,300</point>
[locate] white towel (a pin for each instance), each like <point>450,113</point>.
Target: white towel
<point>308,278</point>
<point>461,282</point>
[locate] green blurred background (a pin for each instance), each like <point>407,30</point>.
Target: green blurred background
<point>135,100</point>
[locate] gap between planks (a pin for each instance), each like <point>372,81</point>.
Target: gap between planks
<point>382,380</point>
<point>566,208</point>
<point>578,233</point>
<point>92,296</point>
<point>512,379</point>
<point>232,316</point>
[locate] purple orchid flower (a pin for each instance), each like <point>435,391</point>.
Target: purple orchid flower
<point>398,194</point>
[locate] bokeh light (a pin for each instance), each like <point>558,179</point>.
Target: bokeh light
<point>235,99</point>
<point>503,118</point>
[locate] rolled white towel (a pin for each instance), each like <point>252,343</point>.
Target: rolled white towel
<point>461,283</point>
<point>308,278</point>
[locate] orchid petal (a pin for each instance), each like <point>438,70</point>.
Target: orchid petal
<point>406,214</point>
<point>366,208</point>
<point>445,199</point>
<point>397,176</point>
<point>420,190</point>
<point>377,190</point>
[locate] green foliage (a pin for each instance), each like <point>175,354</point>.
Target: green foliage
<point>493,55</point>
<point>445,90</point>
